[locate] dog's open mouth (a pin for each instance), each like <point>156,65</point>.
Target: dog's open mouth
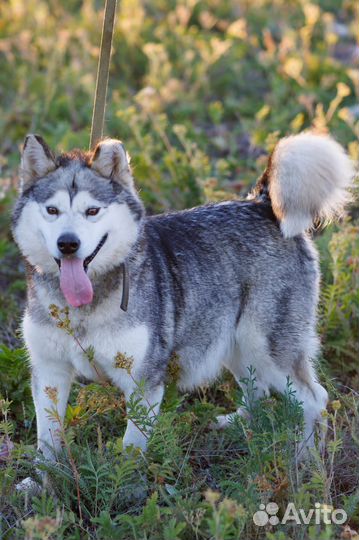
<point>94,253</point>
<point>90,257</point>
<point>74,281</point>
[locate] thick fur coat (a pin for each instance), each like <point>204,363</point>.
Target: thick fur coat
<point>227,285</point>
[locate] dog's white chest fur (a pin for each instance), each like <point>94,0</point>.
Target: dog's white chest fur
<point>95,331</point>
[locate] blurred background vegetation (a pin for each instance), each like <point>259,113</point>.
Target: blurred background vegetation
<point>200,91</point>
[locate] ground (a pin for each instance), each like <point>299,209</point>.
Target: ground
<point>200,91</point>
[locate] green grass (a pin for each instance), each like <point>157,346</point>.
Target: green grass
<point>200,91</point>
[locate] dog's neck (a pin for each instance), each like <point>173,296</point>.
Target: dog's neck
<point>49,284</point>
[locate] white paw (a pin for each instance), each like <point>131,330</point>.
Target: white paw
<point>29,486</point>
<point>224,420</point>
<point>134,437</point>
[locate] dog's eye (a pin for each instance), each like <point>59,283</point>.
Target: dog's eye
<point>92,211</point>
<point>52,210</point>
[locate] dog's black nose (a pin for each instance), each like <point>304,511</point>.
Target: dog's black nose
<point>68,243</point>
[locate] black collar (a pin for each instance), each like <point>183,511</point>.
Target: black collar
<point>125,286</point>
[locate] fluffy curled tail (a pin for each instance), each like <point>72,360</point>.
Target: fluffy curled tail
<point>307,179</point>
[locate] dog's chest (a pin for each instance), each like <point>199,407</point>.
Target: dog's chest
<point>101,344</point>
<point>89,342</point>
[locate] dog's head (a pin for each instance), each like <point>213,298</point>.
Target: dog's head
<point>78,214</point>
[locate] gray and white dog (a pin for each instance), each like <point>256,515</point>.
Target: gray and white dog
<point>226,285</point>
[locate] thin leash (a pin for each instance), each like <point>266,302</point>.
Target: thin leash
<point>99,108</point>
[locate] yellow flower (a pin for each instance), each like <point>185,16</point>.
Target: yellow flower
<point>122,361</point>
<point>336,405</point>
<point>212,496</point>
<point>343,89</point>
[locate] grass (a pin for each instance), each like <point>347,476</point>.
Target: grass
<point>200,91</point>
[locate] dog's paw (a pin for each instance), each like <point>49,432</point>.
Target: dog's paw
<point>29,486</point>
<point>224,420</point>
<point>221,422</point>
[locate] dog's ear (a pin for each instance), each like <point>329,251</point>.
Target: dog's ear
<point>36,161</point>
<point>111,160</point>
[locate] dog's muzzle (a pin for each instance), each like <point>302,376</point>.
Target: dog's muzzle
<point>90,257</point>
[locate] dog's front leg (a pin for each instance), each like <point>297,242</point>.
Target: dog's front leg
<point>141,417</point>
<point>51,385</point>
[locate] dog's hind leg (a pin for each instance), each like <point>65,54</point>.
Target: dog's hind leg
<point>250,352</point>
<point>308,392</point>
<point>314,399</point>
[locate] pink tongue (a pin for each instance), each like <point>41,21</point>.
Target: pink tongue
<point>74,283</point>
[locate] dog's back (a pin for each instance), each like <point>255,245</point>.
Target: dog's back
<point>219,265</point>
